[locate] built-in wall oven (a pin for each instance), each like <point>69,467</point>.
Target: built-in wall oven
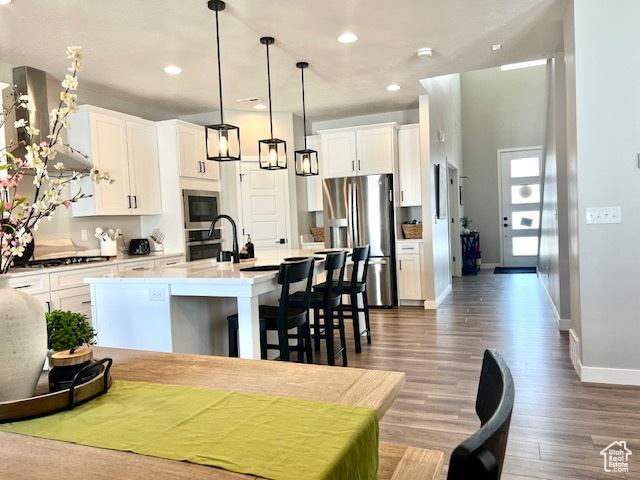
<point>200,208</point>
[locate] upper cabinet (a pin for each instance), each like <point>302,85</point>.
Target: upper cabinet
<point>193,153</point>
<point>409,165</point>
<point>124,146</point>
<point>362,150</point>
<point>314,182</point>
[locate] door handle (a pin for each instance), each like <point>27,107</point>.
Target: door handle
<point>506,225</point>
<point>281,241</point>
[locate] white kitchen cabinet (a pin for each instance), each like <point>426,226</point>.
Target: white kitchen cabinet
<point>409,270</point>
<point>126,147</point>
<point>314,182</point>
<point>140,265</point>
<point>193,154</point>
<point>409,165</point>
<point>365,150</point>
<point>36,285</point>
<point>76,299</point>
<point>169,261</point>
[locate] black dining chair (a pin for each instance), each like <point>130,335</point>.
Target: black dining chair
<point>283,317</point>
<point>325,304</point>
<point>481,456</point>
<point>356,285</point>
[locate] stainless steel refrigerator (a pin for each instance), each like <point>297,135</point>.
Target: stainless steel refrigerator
<point>359,211</point>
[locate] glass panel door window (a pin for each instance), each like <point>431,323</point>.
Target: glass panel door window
<point>520,192</point>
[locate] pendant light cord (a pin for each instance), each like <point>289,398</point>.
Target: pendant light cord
<point>269,84</point>
<point>219,69</point>
<point>304,111</point>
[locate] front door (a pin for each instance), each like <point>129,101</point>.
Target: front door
<point>520,206</point>
<point>265,212</point>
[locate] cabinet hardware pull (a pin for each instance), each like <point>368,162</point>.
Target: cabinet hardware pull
<point>48,306</point>
<point>400,264</point>
<point>129,200</point>
<point>135,201</point>
<point>402,195</point>
<point>204,167</point>
<point>171,263</point>
<point>407,248</point>
<point>359,167</point>
<point>22,286</point>
<point>353,165</point>
<point>86,302</point>
<point>139,268</point>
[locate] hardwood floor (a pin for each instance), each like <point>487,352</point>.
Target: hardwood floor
<point>559,424</point>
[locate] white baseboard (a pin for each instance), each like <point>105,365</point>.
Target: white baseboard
<point>410,303</point>
<point>614,376</point>
<point>433,305</point>
<point>575,351</point>
<point>489,266</point>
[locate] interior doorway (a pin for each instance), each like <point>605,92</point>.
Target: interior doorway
<point>265,214</point>
<point>454,198</point>
<point>519,172</point>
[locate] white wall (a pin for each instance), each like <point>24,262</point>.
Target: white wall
<point>607,102</point>
<point>439,111</point>
<point>402,117</point>
<point>553,261</point>
<point>500,110</point>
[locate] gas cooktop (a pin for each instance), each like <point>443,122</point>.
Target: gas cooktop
<point>57,262</point>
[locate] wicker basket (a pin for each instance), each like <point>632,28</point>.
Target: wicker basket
<point>318,234</point>
<point>412,230</point>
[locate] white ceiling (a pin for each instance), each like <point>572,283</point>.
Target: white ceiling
<point>128,42</point>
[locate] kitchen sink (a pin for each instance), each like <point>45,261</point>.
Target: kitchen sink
<point>261,268</point>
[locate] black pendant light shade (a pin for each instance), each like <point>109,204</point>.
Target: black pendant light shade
<point>222,140</point>
<point>306,160</point>
<point>273,151</point>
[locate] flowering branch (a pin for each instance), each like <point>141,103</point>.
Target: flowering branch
<point>20,217</point>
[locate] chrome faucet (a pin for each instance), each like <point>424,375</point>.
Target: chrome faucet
<point>236,256</point>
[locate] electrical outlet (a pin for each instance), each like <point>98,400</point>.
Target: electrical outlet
<point>156,294</point>
<point>83,235</point>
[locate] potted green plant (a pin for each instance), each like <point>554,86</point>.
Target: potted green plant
<point>465,221</point>
<point>66,329</point>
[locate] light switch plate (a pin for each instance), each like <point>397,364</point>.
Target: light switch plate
<point>599,215</point>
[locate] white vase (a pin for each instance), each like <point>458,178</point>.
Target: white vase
<point>23,342</point>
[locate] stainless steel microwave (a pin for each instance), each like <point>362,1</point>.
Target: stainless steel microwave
<point>200,208</point>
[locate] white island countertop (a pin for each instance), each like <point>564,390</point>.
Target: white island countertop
<point>183,308</point>
<point>209,271</point>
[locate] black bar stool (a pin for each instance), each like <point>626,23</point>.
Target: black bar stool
<point>283,317</point>
<point>328,301</point>
<point>355,286</point>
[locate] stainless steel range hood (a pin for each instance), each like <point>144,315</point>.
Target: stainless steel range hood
<point>33,82</point>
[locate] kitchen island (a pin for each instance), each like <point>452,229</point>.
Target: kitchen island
<point>183,308</point>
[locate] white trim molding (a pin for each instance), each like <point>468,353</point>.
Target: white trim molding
<point>614,376</point>
<point>433,305</point>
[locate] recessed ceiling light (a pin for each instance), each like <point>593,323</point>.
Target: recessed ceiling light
<point>532,63</point>
<point>393,87</point>
<point>5,2</point>
<point>260,106</point>
<point>172,70</point>
<point>347,38</point>
<point>496,47</point>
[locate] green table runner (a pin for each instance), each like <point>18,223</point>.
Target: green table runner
<point>272,437</point>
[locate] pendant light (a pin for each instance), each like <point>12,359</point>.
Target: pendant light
<point>306,160</point>
<point>273,151</point>
<point>222,140</point>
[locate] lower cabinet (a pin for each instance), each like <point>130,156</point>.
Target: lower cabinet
<point>76,299</point>
<point>409,256</point>
<point>35,285</point>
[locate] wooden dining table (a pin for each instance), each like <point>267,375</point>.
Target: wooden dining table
<point>26,457</point>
